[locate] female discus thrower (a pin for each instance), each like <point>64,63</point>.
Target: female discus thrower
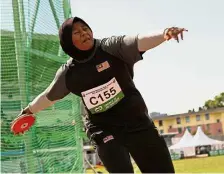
<point>101,73</point>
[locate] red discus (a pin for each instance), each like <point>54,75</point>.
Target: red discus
<point>22,123</point>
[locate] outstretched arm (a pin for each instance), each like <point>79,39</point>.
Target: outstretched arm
<point>56,91</point>
<point>147,42</point>
<point>129,48</point>
<point>40,103</point>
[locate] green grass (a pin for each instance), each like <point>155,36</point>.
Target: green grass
<point>195,165</point>
<point>200,165</point>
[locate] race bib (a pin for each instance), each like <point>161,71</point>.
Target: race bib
<point>103,97</point>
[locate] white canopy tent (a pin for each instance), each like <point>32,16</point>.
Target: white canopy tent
<point>200,139</point>
<point>185,139</point>
<point>188,143</point>
<point>181,145</point>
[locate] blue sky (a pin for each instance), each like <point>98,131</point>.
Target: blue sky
<point>172,78</point>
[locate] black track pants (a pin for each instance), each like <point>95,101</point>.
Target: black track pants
<point>146,147</point>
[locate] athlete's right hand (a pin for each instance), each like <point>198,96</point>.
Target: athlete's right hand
<point>20,116</point>
<point>25,111</point>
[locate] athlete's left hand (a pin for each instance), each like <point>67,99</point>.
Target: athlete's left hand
<point>173,33</point>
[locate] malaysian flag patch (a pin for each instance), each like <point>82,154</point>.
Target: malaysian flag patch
<point>108,138</point>
<point>102,66</point>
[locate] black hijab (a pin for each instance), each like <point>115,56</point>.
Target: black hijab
<point>65,36</point>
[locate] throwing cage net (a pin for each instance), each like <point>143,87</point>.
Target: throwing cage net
<point>30,57</point>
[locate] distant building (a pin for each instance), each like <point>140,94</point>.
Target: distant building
<point>157,114</point>
<point>211,121</point>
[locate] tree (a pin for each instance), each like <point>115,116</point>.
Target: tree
<point>217,102</point>
<point>209,104</point>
